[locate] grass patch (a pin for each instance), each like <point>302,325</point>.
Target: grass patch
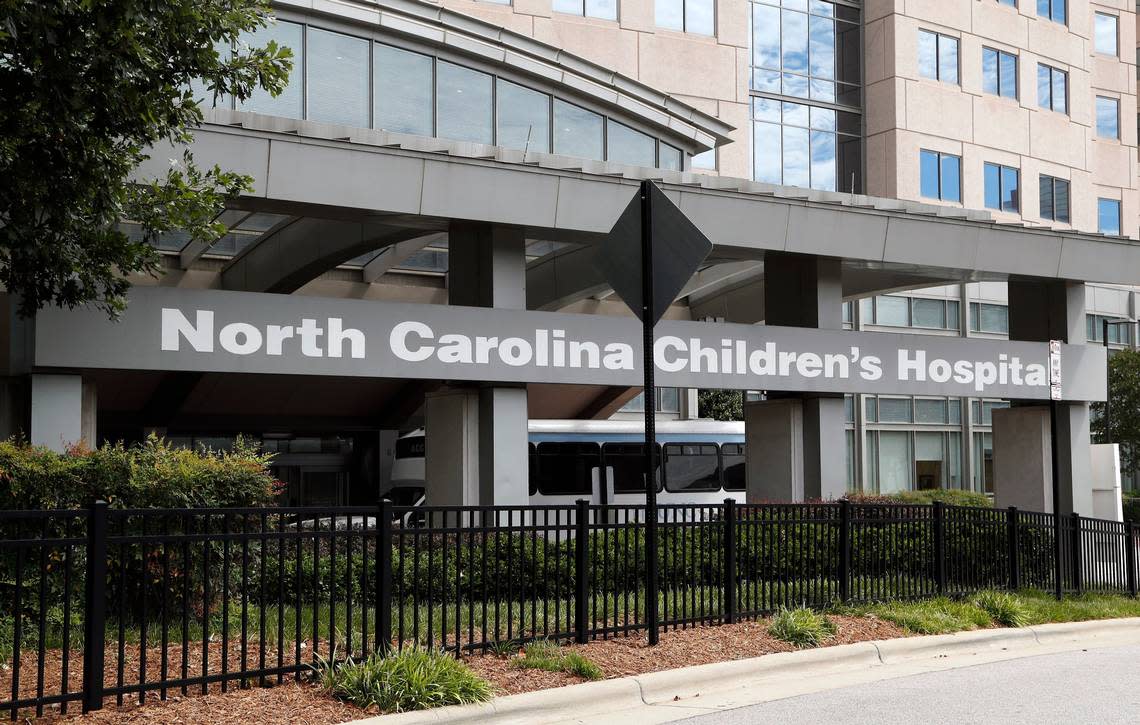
<point>415,679</point>
<point>801,627</point>
<point>1042,608</point>
<point>932,616</point>
<point>1004,608</point>
<point>546,655</point>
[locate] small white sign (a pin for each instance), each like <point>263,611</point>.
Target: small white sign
<point>1055,370</point>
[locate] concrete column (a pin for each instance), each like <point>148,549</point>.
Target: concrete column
<point>1040,311</point>
<point>63,411</point>
<point>476,436</point>
<point>799,291</point>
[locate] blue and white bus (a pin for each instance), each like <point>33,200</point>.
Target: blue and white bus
<point>700,461</point>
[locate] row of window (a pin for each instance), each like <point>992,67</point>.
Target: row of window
<point>796,144</point>
<point>941,178</point>
<point>898,311</point>
<point>355,82</point>
<point>567,469</point>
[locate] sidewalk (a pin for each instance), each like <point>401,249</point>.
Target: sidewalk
<point>671,695</point>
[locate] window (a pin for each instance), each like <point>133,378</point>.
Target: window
<point>985,317</point>
<point>1108,216</point>
<point>705,160</point>
<point>689,16</point>
<point>1002,184</point>
<point>336,78</point>
<point>290,102</point>
<point>1052,88</point>
<point>1054,199</point>
<point>668,401</point>
<point>941,176</point>
<point>1055,10</point>
<point>981,411</point>
<point>626,146</point>
<point>732,461</point>
<point>797,144</point>
<point>1117,334</point>
<point>999,73</point>
<point>463,104</point>
<point>403,85</point>
<point>577,132</point>
<point>603,9</point>
<point>1107,117</point>
<point>671,159</point>
<point>1010,3</point>
<point>691,467</point>
<point>938,57</point>
<point>896,311</point>
<point>523,118</point>
<point>798,50</point>
<point>1106,35</point>
<point>566,469</point>
<point>627,461</point>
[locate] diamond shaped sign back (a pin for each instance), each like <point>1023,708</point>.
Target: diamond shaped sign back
<point>678,250</point>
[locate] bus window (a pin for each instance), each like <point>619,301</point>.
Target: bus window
<point>628,464</point>
<point>732,459</point>
<point>564,468</point>
<point>410,447</point>
<point>691,467</point>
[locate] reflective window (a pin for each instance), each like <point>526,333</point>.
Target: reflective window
<point>985,317</point>
<point>691,467</point>
<point>798,145</point>
<point>1052,88</point>
<point>1055,10</point>
<point>931,411</point>
<point>670,158</point>
<point>202,94</point>
<point>937,56</point>
<point>705,160</point>
<point>897,311</point>
<point>999,73</point>
<point>1054,198</point>
<point>1002,183</point>
<point>336,78</point>
<point>463,103</point>
<point>626,461</point>
<point>796,50</point>
<point>1108,216</point>
<point>626,146</point>
<point>566,469</point>
<point>732,460</point>
<point>941,176</point>
<point>892,311</point>
<point>524,118</point>
<point>1118,334</point>
<point>402,91</point>
<point>689,16</point>
<point>895,410</point>
<point>1106,33</point>
<point>577,132</point>
<point>1107,117</point>
<point>289,103</point>
<point>603,9</point>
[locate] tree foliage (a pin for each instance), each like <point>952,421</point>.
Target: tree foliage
<point>88,88</point>
<point>1124,425</point>
<point>721,404</point>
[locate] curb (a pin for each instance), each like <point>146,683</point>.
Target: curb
<point>668,686</point>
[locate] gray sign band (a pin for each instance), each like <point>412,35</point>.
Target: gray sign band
<point>239,332</point>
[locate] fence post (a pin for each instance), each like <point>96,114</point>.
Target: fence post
<point>1077,552</point>
<point>95,607</point>
<point>729,561</point>
<point>581,571</point>
<point>940,546</point>
<point>844,572</point>
<point>1130,556</point>
<point>1012,534</point>
<point>384,576</point>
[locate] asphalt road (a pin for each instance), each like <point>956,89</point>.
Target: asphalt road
<point>1095,686</point>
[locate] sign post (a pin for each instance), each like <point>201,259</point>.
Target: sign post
<point>1054,396</point>
<point>648,280</point>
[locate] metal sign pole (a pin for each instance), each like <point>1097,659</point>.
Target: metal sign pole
<point>650,393</point>
<point>1055,394</point>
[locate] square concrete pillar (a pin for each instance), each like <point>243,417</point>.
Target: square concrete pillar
<point>63,412</point>
<point>1023,464</point>
<point>773,450</point>
<point>451,447</point>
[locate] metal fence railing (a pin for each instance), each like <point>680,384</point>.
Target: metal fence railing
<point>105,604</point>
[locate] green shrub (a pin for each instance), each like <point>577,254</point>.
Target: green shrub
<point>933,616</point>
<point>1005,608</point>
<point>544,654</point>
<point>951,496</point>
<point>801,627</point>
<point>1131,508</point>
<point>413,679</point>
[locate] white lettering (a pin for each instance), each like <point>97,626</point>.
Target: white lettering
<point>618,356</point>
<point>515,351</point>
<point>275,337</point>
<point>337,336</point>
<point>309,334</point>
<point>251,338</point>
<point>200,334</point>
<point>398,341</point>
<point>662,346</point>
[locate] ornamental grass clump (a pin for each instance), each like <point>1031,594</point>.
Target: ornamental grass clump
<point>546,655</point>
<point>1004,608</point>
<point>801,627</point>
<point>414,679</point>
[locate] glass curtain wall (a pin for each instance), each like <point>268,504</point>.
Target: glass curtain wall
<point>806,94</point>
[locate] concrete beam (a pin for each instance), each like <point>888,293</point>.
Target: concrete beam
<point>562,278</point>
<point>395,254</point>
<point>285,259</point>
<point>194,249</point>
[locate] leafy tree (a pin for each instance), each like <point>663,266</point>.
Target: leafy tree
<point>1124,392</point>
<point>721,404</point>
<point>87,87</point>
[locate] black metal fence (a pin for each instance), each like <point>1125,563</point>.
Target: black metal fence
<point>104,604</point>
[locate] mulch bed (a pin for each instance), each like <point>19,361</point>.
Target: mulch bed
<point>303,702</point>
